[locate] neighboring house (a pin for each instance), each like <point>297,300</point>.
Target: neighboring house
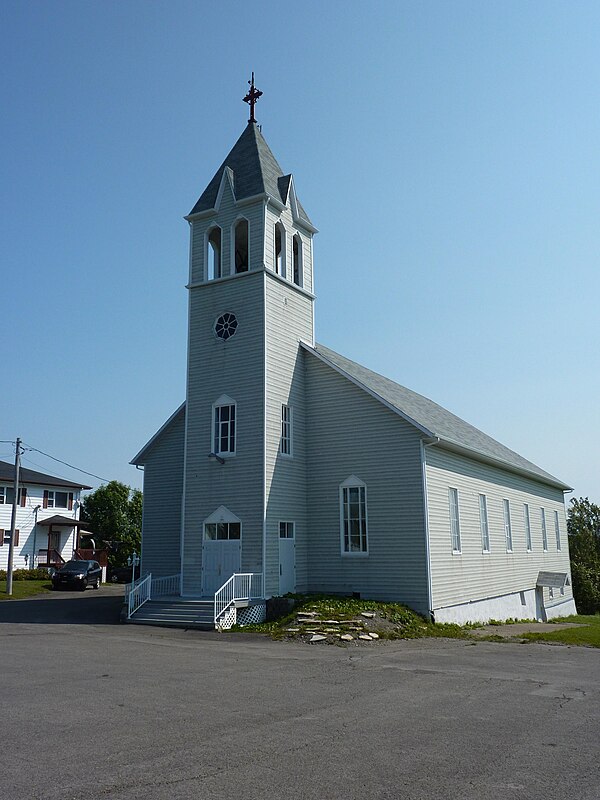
<point>299,466</point>
<point>47,522</point>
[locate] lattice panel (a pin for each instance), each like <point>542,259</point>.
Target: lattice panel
<point>228,619</point>
<point>252,614</point>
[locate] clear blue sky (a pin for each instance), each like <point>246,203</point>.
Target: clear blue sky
<point>447,151</point>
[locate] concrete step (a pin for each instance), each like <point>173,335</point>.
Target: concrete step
<point>176,614</point>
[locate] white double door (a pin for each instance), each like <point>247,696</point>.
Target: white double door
<point>220,559</point>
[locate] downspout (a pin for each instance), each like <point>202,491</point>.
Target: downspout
<point>427,443</point>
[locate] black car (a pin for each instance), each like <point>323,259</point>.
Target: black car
<point>78,575</point>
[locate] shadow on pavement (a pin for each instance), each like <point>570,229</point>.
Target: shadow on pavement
<point>83,609</point>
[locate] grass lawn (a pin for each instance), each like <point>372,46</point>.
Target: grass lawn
<point>22,589</point>
<point>588,634</point>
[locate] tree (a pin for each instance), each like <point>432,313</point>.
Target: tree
<point>114,513</point>
<point>583,525</point>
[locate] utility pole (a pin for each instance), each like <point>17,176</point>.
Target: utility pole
<point>13,522</point>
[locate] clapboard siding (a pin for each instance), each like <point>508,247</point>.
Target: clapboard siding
<point>163,487</point>
<point>289,313</point>
<point>32,537</point>
<point>234,368</point>
<point>349,433</point>
<point>286,219</point>
<point>474,575</point>
<point>228,214</point>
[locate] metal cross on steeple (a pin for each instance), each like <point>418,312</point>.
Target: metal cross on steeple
<point>251,98</point>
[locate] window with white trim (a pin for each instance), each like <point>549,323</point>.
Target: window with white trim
<point>544,531</point>
<point>286,530</point>
<point>58,499</point>
<point>279,249</point>
<point>527,527</point>
<point>5,537</point>
<point>285,446</point>
<point>507,526</point>
<point>483,524</point>
<point>297,259</point>
<point>7,495</point>
<point>224,428</point>
<point>213,254</point>
<point>454,520</point>
<point>353,517</point>
<point>557,531</point>
<point>222,531</point>
<point>240,246</point>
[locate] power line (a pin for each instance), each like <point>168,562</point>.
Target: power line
<point>71,466</point>
<point>42,467</point>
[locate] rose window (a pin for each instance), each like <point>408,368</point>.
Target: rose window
<point>226,326</point>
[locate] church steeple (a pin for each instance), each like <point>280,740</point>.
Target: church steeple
<point>255,172</point>
<point>249,216</point>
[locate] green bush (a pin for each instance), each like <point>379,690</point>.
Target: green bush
<point>26,574</point>
<point>586,586</point>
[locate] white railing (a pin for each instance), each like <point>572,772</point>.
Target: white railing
<point>137,596</point>
<point>168,584</point>
<point>241,586</point>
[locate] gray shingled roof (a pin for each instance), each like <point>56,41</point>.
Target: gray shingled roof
<point>7,476</point>
<point>430,417</point>
<point>255,171</point>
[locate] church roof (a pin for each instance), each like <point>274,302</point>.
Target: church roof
<point>433,420</point>
<point>255,171</point>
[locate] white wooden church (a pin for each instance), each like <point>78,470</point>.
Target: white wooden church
<point>290,468</point>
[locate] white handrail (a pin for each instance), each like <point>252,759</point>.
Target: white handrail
<point>138,595</point>
<point>241,586</point>
<point>166,584</point>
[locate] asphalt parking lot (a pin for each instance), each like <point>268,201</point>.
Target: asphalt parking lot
<point>94,708</point>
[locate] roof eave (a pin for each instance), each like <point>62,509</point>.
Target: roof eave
<point>448,444</point>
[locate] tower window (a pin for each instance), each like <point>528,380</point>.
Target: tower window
<point>285,446</point>
<point>241,246</point>
<point>297,258</point>
<point>224,429</point>
<point>226,326</point>
<point>279,249</point>
<point>214,254</point>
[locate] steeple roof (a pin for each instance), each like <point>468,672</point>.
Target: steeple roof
<point>255,171</point>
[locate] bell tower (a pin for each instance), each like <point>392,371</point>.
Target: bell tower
<point>250,304</point>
